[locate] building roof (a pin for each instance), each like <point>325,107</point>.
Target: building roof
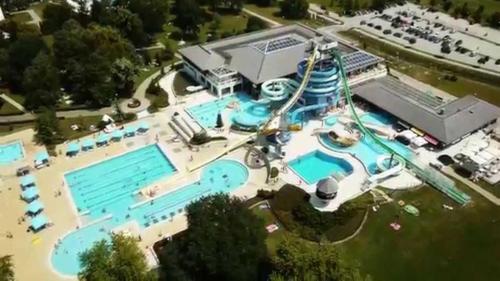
<point>258,56</point>
<point>446,122</point>
<point>327,186</point>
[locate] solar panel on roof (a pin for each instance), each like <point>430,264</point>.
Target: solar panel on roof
<point>358,60</point>
<point>276,44</point>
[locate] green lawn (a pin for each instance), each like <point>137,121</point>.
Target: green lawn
<point>273,239</point>
<point>463,244</point>
<point>82,122</point>
<point>9,129</point>
<point>494,189</point>
<point>9,109</point>
<point>273,13</point>
<point>430,71</point>
<point>21,18</point>
<point>490,6</point>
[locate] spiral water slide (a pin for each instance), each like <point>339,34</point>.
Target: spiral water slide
<point>280,115</point>
<point>423,171</point>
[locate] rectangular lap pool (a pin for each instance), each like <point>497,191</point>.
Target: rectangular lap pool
<point>109,186</point>
<point>317,165</point>
<point>11,152</point>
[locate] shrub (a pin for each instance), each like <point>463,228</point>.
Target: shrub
<point>274,172</point>
<point>266,194</point>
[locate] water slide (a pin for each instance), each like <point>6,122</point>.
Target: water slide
<point>381,130</point>
<point>385,171</point>
<point>306,108</point>
<point>277,116</point>
<point>424,172</point>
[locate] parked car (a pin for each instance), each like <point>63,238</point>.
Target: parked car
<point>363,22</point>
<point>398,35</point>
<point>370,24</point>
<point>387,31</point>
<point>378,27</point>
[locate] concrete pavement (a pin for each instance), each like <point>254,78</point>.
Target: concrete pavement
<point>268,20</point>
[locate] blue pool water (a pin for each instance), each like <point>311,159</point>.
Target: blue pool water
<point>366,150</point>
<point>220,176</point>
<point>317,165</point>
<point>109,186</point>
<point>11,152</point>
<point>250,112</point>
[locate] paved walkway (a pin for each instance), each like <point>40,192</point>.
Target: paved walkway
<point>13,102</point>
<point>273,23</point>
<point>486,194</point>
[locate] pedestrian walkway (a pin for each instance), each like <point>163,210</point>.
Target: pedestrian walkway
<point>486,194</point>
<point>273,23</point>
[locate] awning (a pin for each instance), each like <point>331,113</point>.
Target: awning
<point>431,140</point>
<point>41,157</point>
<point>39,222</point>
<point>34,207</point>
<point>144,126</point>
<point>30,193</point>
<point>117,135</point>
<point>102,138</point>
<point>130,131</point>
<point>73,148</point>
<point>27,180</point>
<point>88,143</point>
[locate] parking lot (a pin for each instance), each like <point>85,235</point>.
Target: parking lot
<point>433,33</point>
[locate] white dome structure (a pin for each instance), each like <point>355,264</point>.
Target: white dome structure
<point>326,189</point>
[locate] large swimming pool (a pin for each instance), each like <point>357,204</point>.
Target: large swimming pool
<point>11,152</point>
<point>366,149</point>
<point>317,165</point>
<point>109,187</point>
<point>220,176</point>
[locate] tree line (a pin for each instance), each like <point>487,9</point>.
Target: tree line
<point>91,56</point>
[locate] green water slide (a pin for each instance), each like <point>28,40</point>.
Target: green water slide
<point>423,171</point>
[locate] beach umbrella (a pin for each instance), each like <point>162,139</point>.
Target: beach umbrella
<point>27,181</point>
<point>143,127</point>
<point>41,157</point>
<point>102,139</point>
<point>117,135</point>
<point>129,131</point>
<point>34,207</point>
<point>88,144</point>
<point>72,148</point>
<point>39,222</point>
<point>30,194</point>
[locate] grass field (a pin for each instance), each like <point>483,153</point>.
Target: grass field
<point>21,18</point>
<point>490,6</point>
<point>273,13</point>
<point>463,244</point>
<point>431,71</point>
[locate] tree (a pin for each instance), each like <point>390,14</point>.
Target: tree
<point>21,53</point>
<point>47,127</point>
<point>55,15</point>
<point>188,16</point>
<point>41,83</point>
<point>219,123</point>
<point>115,260</point>
<point>153,13</point>
<point>6,269</point>
<point>494,20</point>
<point>447,4</point>
<point>85,56</point>
<point>123,73</point>
<point>464,11</point>
<point>356,5</point>
<point>129,24</point>
<point>224,241</point>
<point>254,24</point>
<point>294,9</point>
<point>263,3</point>
<point>297,260</point>
<point>433,3</point>
<point>478,14</point>
<point>378,5</point>
<point>348,7</point>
